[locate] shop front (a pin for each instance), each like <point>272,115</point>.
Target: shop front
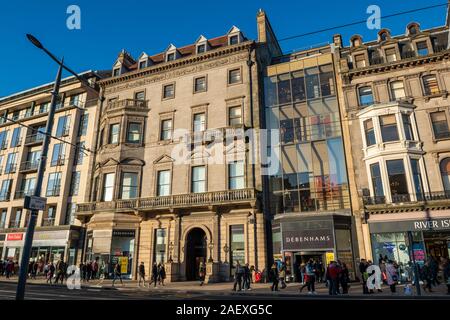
<point>111,247</point>
<point>48,246</point>
<point>323,239</point>
<point>390,240</point>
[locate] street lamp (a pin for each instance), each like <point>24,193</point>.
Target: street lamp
<point>210,246</point>
<point>35,202</point>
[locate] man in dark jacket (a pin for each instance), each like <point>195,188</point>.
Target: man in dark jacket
<point>154,274</point>
<point>60,271</point>
<point>363,270</point>
<point>246,277</point>
<point>141,274</point>
<point>238,273</point>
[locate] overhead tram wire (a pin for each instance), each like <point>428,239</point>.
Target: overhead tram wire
<point>49,135</point>
<point>353,24</point>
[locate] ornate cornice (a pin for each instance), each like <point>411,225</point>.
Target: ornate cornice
<point>178,68</point>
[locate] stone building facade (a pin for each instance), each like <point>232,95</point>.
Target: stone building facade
<point>395,111</point>
<point>24,115</point>
<point>176,180</point>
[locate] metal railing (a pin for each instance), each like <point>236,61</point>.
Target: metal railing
<point>34,138</point>
<point>182,200</point>
<point>5,196</point>
<point>22,193</point>
<point>425,197</point>
<point>29,165</point>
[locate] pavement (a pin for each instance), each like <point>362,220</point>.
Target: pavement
<point>96,289</point>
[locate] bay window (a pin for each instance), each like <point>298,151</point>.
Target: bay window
<point>388,125</point>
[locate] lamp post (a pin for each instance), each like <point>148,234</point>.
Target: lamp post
<point>210,246</point>
<point>20,292</point>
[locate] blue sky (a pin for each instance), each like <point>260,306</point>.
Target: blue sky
<point>109,26</point>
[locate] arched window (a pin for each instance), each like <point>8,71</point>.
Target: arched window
<point>383,36</point>
<point>413,29</point>
<point>445,173</point>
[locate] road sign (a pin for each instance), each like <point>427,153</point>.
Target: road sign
<point>34,203</point>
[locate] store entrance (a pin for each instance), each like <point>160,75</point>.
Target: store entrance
<point>195,253</point>
<point>437,244</point>
<point>301,258</point>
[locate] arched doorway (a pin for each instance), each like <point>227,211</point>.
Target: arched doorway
<point>195,252</point>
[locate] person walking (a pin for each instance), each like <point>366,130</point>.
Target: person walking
<point>310,277</point>
<point>34,270</point>
<point>302,273</point>
<point>117,274</point>
<point>364,276</point>
<point>50,272</point>
<point>202,273</point>
<point>392,275</point>
<point>427,277</point>
<point>141,274</point>
<point>162,273</point>
<point>247,277</point>
<point>154,275</point>
<point>59,271</point>
<point>333,278</point>
<point>344,278</point>
<point>446,273</point>
<point>282,275</point>
<point>9,268</point>
<point>274,277</point>
<point>238,273</point>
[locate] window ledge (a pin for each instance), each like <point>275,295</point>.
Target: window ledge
<point>443,94</point>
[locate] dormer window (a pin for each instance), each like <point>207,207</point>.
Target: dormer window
<point>234,39</point>
<point>201,48</point>
<point>383,36</point>
<point>356,41</point>
<point>142,64</point>
<point>171,56</point>
<point>413,29</point>
<point>422,48</point>
<point>360,61</point>
<point>116,72</point>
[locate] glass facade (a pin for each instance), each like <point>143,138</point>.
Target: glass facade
<point>302,105</point>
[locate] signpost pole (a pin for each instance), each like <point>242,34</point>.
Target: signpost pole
<point>20,293</point>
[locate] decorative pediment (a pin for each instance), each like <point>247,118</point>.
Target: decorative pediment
<point>200,154</point>
<point>108,163</point>
<point>163,159</point>
<point>201,39</point>
<point>171,48</point>
<point>233,30</point>
<point>133,161</point>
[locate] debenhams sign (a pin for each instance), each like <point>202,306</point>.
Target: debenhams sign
<point>307,239</point>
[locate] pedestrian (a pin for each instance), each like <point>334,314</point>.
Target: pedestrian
<point>332,278</point>
<point>34,270</point>
<point>89,271</point>
<point>427,276</point>
<point>320,271</point>
<point>282,275</point>
<point>59,271</point>
<point>51,272</point>
<point>310,277</point>
<point>162,273</point>
<point>364,276</point>
<point>154,274</point>
<point>117,274</point>
<point>302,273</point>
<point>392,275</point>
<point>344,278</point>
<point>95,268</point>
<point>446,272</point>
<point>238,273</point>
<point>434,272</point>
<point>202,273</point>
<point>252,274</point>
<point>2,267</point>
<point>246,277</point>
<point>141,274</point>
<point>274,277</point>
